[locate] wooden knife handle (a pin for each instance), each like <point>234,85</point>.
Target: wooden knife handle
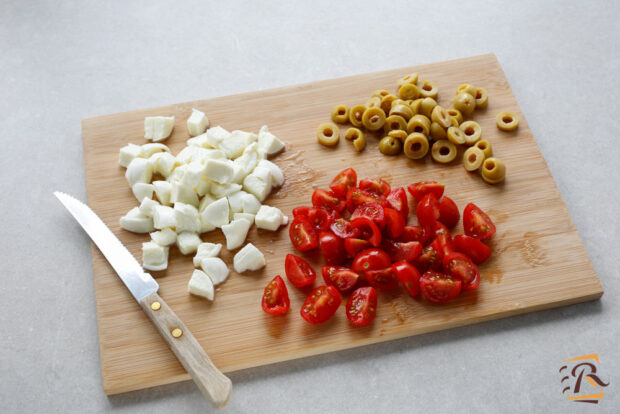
<point>214,385</point>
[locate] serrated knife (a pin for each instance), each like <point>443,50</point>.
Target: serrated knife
<point>214,385</point>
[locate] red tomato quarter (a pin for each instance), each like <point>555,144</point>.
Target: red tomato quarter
<point>439,288</point>
<point>303,235</point>
<point>343,229</point>
<point>298,271</point>
<point>416,233</point>
<point>398,251</point>
<point>332,248</point>
<point>419,190</point>
<point>458,265</point>
<point>429,259</point>
<point>382,279</point>
<point>368,230</point>
<point>409,276</point>
<point>394,223</point>
<point>327,200</point>
<point>357,197</point>
<point>373,211</point>
<point>448,212</point>
<point>342,278</point>
<point>353,246</point>
<point>321,304</point>
<point>477,251</point>
<point>397,200</point>
<point>443,242</point>
<point>428,210</point>
<point>318,217</point>
<point>275,298</point>
<point>343,181</point>
<point>371,259</point>
<point>476,223</point>
<point>362,306</point>
<point>375,186</point>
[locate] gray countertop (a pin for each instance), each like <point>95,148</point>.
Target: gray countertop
<point>64,61</point>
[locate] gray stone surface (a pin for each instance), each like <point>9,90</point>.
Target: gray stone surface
<point>64,61</point>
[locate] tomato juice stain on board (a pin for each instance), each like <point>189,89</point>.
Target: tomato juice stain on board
<point>531,251</point>
<point>497,216</point>
<point>401,309</point>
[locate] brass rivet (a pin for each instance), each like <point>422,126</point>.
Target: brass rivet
<point>155,306</point>
<point>176,332</point>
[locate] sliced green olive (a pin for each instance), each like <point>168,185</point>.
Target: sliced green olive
<point>390,145</point>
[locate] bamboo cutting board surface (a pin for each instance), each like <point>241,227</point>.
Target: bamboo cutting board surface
<point>539,260</point>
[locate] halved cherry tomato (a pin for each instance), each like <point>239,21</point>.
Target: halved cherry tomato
<point>376,186</point>
<point>343,181</point>
<point>458,265</point>
<point>373,211</point>
<point>448,212</point>
<point>397,200</point>
<point>343,229</point>
<point>275,298</point>
<point>407,251</point>
<point>332,248</point>
<point>368,230</point>
<point>477,251</point>
<point>321,304</point>
<point>371,259</point>
<point>443,242</point>
<point>382,279</point>
<point>429,259</point>
<point>303,235</point>
<point>318,217</point>
<point>476,223</point>
<point>428,210</point>
<point>342,278</point>
<point>409,276</point>
<point>416,233</point>
<point>439,288</point>
<point>394,223</point>
<point>362,306</point>
<point>327,200</point>
<point>357,197</point>
<point>419,190</point>
<point>353,246</point>
<point>298,271</point>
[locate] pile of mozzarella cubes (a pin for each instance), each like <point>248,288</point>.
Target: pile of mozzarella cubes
<point>218,181</point>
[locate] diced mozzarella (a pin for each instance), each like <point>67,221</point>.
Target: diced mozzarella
<point>269,142</point>
<point>194,153</point>
<point>137,222</point>
<point>216,213</point>
<point>248,258</point>
<point>268,218</point>
<point>215,268</point>
<point>154,256</point>
<point>177,174</point>
<point>183,194</point>
<point>256,186</point>
<point>277,176</point>
<point>234,144</point>
<point>186,217</point>
<point>162,191</point>
<point>235,233</point>
<point>206,250</point>
<point>147,206</point>
<point>164,237</point>
<point>158,128</point>
<point>244,165</point>
<point>153,148</point>
<point>197,123</point>
<point>216,135</point>
<point>163,216</point>
<point>193,174</point>
<point>188,242</point>
<point>201,285</point>
<point>128,153</point>
<point>244,216</point>
<point>204,202</point>
<point>140,170</point>
<point>250,204</point>
<point>220,171</point>
<point>203,187</point>
<point>223,190</point>
<point>204,226</point>
<point>284,220</point>
<point>163,163</point>
<point>235,201</point>
<point>198,141</point>
<point>186,154</point>
<point>142,191</point>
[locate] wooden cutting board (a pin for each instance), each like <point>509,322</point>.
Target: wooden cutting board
<point>539,261</point>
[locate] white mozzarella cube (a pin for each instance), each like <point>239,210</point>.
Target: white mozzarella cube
<point>154,256</point>
<point>147,206</point>
<point>153,148</point>
<point>244,216</point>
<point>164,237</point>
<point>201,285</point>
<point>177,174</point>
<point>284,220</point>
<point>142,191</point>
<point>128,153</point>
<point>206,250</point>
<point>256,186</point>
<point>180,193</point>
<point>188,242</point>
<point>186,217</point>
<point>197,123</point>
<point>248,258</point>
<point>203,187</point>
<point>277,176</point>
<point>235,201</point>
<point>193,174</point>
<point>220,171</point>
<point>163,216</point>
<point>216,213</point>
<point>158,128</point>
<point>244,165</point>
<point>204,226</point>
<point>216,135</point>
<point>204,202</point>
<point>223,190</point>
<point>235,233</point>
<point>198,141</point>
<point>250,204</point>
<point>186,155</point>
<point>163,163</point>
<point>163,190</point>
<point>268,142</point>
<point>215,268</point>
<point>140,170</point>
<point>136,222</point>
<point>234,144</point>
<point>269,218</point>
<point>209,154</point>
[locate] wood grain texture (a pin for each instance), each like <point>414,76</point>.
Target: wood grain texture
<point>539,260</point>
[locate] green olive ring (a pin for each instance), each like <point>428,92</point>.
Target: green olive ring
<point>493,170</point>
<point>426,107</point>
<point>507,121</point>
<point>328,134</point>
<point>373,102</point>
<point>380,93</point>
<point>340,114</point>
<point>467,88</point>
<point>355,115</point>
<point>359,143</point>
<point>416,146</point>
<point>386,103</point>
<point>485,146</point>
<point>428,89</point>
<point>415,105</point>
<point>473,158</point>
<point>456,135</point>
<point>472,130</point>
<point>408,91</point>
<point>390,145</point>
<point>411,78</point>
<point>419,123</point>
<point>437,132</point>
<point>482,98</point>
<point>443,151</point>
<point>394,122</point>
<point>353,133</point>
<point>373,118</point>
<point>401,109</point>
<point>398,134</point>
<point>456,114</point>
<point>441,116</point>
<point>465,103</point>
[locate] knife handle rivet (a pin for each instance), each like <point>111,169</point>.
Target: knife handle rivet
<point>155,306</point>
<point>176,332</point>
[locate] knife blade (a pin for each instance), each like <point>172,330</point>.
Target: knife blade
<point>214,385</point>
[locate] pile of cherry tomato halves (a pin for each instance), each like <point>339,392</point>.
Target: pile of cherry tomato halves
<point>361,230</point>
